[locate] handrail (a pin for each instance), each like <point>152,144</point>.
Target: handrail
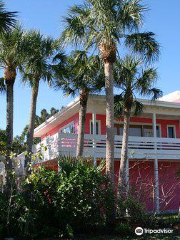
<point>95,144</point>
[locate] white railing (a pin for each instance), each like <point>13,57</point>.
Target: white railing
<point>94,145</point>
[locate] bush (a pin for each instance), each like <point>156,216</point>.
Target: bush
<point>75,200</point>
<point>124,229</point>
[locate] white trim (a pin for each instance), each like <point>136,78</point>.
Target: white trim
<point>174,126</point>
<point>99,126</point>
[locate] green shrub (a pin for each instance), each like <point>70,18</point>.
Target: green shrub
<point>124,229</point>
<point>75,200</point>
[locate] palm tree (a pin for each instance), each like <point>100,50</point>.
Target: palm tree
<point>104,24</point>
<point>132,80</point>
<point>11,57</point>
<point>7,19</point>
<point>85,77</point>
<point>38,66</point>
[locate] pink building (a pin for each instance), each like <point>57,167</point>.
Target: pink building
<point>154,146</point>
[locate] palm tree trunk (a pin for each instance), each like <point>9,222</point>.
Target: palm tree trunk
<point>124,155</point>
<point>82,121</point>
<point>34,96</point>
<point>9,131</point>
<point>109,80</point>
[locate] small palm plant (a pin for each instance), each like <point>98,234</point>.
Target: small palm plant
<point>37,66</point>
<point>105,24</point>
<point>132,80</point>
<point>85,77</point>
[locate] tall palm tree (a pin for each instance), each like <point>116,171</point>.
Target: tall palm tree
<point>132,80</point>
<point>85,77</point>
<point>12,53</point>
<point>104,24</point>
<point>7,19</point>
<point>38,66</point>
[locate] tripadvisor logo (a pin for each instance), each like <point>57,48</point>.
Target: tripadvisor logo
<point>139,231</point>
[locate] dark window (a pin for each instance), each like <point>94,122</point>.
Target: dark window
<point>171,132</point>
<point>97,127</point>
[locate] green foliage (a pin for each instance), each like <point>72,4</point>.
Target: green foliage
<point>75,200</point>
<point>133,80</point>
<point>124,229</point>
<point>8,19</point>
<point>13,48</point>
<point>82,72</point>
<point>134,208</point>
<point>98,22</point>
<point>2,142</point>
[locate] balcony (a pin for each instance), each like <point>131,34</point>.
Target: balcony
<point>94,146</point>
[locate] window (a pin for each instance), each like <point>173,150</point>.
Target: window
<point>98,127</point>
<point>68,128</point>
<point>171,131</point>
<point>137,130</point>
<point>148,131</point>
<point>118,128</point>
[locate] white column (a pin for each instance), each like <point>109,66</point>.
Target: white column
<point>94,134</point>
<point>156,173</point>
<point>154,125</point>
<point>94,122</point>
<point>156,177</point>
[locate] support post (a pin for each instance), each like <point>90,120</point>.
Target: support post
<point>156,177</point>
<point>94,135</point>
<point>156,173</point>
<point>154,125</point>
<point>94,123</point>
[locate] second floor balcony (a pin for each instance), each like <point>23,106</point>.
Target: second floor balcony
<point>95,146</point>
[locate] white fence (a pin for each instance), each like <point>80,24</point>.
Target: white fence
<point>94,145</point>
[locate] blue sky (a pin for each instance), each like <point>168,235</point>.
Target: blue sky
<point>163,19</point>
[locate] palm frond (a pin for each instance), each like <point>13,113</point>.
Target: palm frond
<point>156,93</point>
<point>118,105</point>
<point>7,19</point>
<point>144,44</point>
<point>137,108</point>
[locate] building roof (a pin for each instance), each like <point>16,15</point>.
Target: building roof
<point>171,97</point>
<point>97,103</point>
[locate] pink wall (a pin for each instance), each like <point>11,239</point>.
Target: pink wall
<point>169,185</point>
<point>55,130</point>
<point>141,180</point>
